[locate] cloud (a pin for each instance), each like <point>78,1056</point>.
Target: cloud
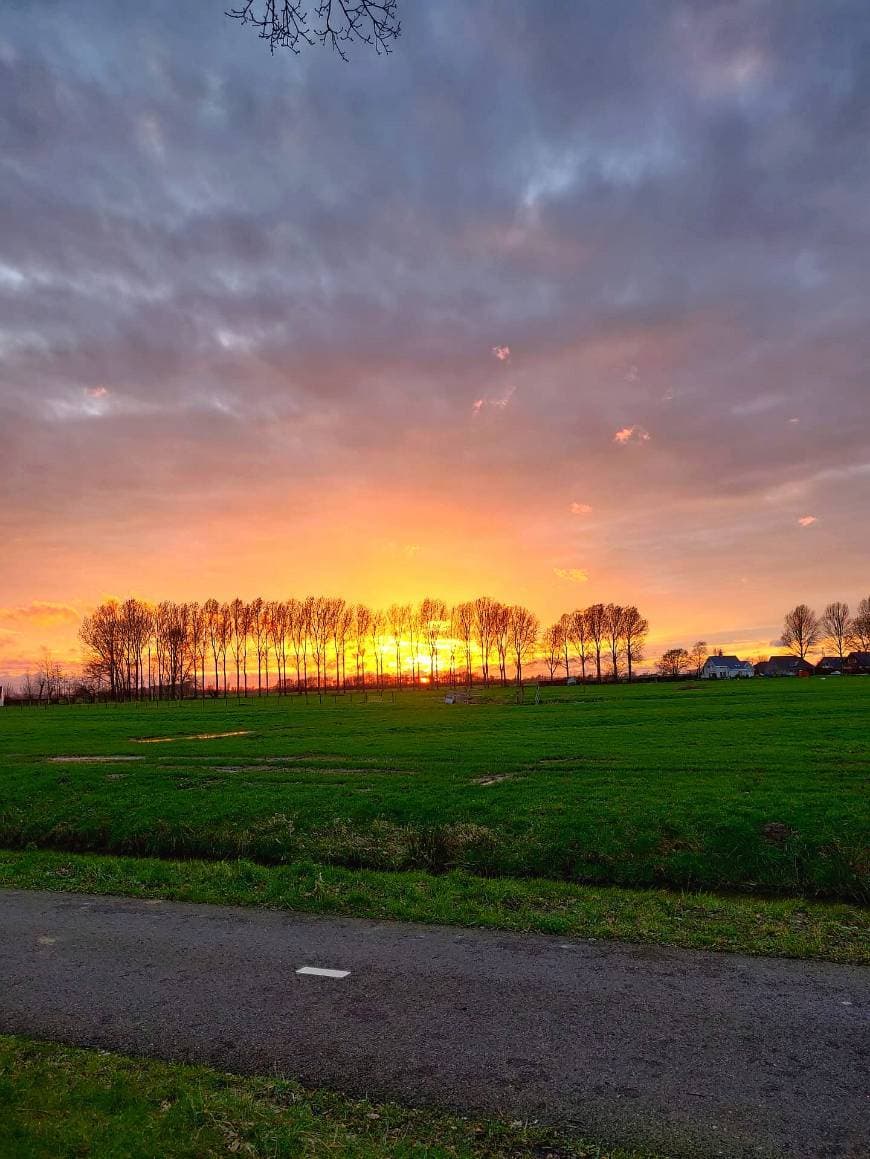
<point>40,613</point>
<point>632,434</point>
<point>281,338</point>
<point>580,508</point>
<point>807,520</point>
<point>498,401</point>
<point>96,391</point>
<point>574,575</point>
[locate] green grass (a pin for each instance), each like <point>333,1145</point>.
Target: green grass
<point>58,1102</point>
<point>757,786</point>
<point>784,927</point>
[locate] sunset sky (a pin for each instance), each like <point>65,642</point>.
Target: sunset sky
<point>557,302</point>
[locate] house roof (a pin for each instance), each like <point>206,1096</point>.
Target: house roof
<point>859,657</point>
<point>727,662</point>
<point>830,662</point>
<point>788,663</point>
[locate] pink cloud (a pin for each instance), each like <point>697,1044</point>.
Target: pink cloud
<point>807,520</point>
<point>580,508</point>
<point>498,401</point>
<point>502,353</point>
<point>574,575</point>
<point>45,613</point>
<point>96,391</point>
<point>632,434</point>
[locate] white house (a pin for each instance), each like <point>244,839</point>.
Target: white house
<point>726,668</point>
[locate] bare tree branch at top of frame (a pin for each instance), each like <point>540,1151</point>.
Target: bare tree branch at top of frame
<point>338,23</point>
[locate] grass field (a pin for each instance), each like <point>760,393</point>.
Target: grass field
<point>745,786</point>
<point>57,1102</point>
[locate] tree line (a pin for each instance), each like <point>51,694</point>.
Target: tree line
<point>836,629</point>
<point>135,649</point>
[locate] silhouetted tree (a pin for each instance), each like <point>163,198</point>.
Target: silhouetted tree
<point>836,625</point>
<point>596,624</point>
<point>463,622</point>
<point>859,632</point>
<point>801,630</point>
<point>337,23</point>
<point>674,662</point>
<point>698,655</point>
<point>553,643</point>
<point>634,633</point>
<point>523,628</point>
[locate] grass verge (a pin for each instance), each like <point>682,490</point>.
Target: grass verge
<point>58,1102</point>
<point>791,928</point>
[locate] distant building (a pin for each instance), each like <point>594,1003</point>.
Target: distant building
<point>726,668</point>
<point>857,664</point>
<point>788,666</point>
<point>829,665</point>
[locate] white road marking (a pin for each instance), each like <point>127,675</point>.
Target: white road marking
<point>316,970</point>
<point>46,941</point>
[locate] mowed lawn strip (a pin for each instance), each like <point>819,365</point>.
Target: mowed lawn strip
<point>58,1102</point>
<point>759,786</point>
<point>775,927</point>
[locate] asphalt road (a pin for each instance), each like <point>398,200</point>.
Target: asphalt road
<point>697,1053</point>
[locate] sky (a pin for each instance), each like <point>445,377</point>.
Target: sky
<point>557,302</point>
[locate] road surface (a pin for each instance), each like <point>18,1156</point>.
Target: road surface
<point>696,1053</point>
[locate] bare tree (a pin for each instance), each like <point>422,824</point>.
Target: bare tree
<point>836,625</point>
<point>501,634</point>
<point>859,634</point>
<point>581,641</point>
<point>433,618</point>
<point>613,626</point>
<point>674,662</point>
<point>523,628</point>
<point>338,23</point>
<point>198,629</point>
<point>801,630</point>
<point>361,623</point>
<point>565,624</point>
<point>240,627</point>
<point>321,631</point>
<point>596,623</point>
<point>377,636</point>
<point>397,619</point>
<point>259,631</point>
<point>462,626</point>
<point>101,635</point>
<point>484,627</point>
<point>634,632</point>
<point>279,628</point>
<point>340,617</point>
<point>553,643</point>
<point>698,655</point>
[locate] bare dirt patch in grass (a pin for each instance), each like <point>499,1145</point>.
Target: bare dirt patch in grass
<point>91,760</point>
<point>189,736</point>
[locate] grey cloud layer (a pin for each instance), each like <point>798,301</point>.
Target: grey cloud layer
<point>664,209</point>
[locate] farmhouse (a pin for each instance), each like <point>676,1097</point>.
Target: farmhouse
<point>858,663</point>
<point>788,666</point>
<point>828,665</point>
<point>726,668</point>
